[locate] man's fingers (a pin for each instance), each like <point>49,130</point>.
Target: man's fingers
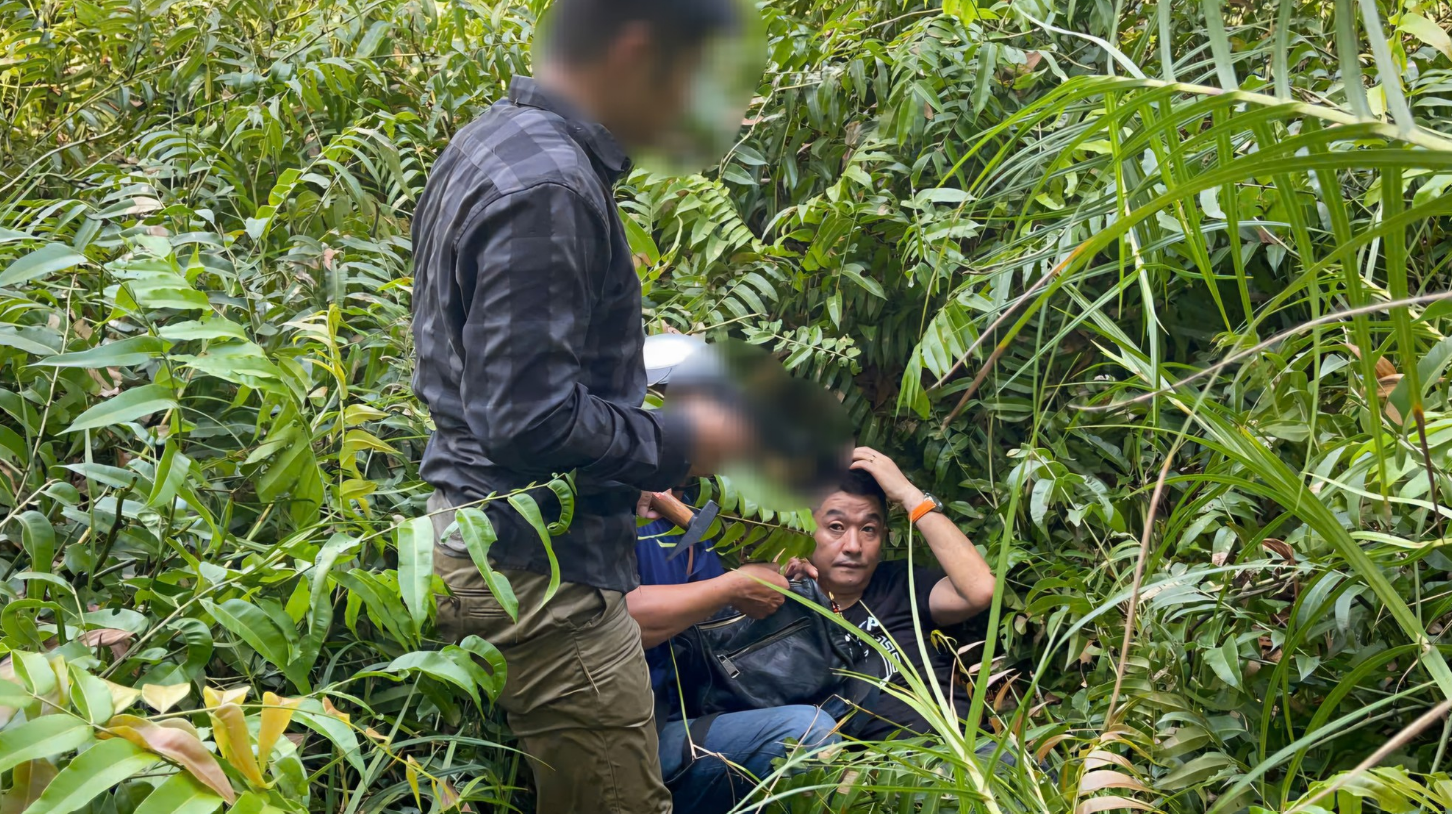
<point>642,506</point>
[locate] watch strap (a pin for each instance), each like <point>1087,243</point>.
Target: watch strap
<point>923,509</point>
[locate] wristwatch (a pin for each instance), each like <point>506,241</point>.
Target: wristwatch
<point>929,504</point>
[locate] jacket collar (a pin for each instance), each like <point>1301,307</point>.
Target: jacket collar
<point>527,92</point>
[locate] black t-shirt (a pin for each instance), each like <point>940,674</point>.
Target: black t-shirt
<point>887,597</point>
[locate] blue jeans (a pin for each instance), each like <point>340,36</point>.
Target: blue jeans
<point>738,751</point>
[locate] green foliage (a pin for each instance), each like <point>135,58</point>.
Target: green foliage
<point>1015,238</point>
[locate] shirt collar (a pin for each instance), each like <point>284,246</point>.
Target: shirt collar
<point>526,91</point>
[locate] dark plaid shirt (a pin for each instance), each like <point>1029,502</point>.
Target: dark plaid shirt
<point>527,324</point>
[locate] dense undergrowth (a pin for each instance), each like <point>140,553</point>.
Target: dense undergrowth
<point>1018,238</point>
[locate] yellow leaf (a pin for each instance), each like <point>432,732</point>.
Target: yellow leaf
<point>162,697</point>
<point>215,698</point>
<point>355,440</point>
<point>333,711</point>
<point>229,729</point>
<point>410,770</point>
<point>122,697</point>
<point>276,713</point>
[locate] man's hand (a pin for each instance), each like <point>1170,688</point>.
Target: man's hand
<point>899,489</point>
<point>798,567</point>
<point>752,598</point>
<point>642,506</point>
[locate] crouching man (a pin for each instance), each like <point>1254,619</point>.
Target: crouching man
<point>877,597</point>
<point>710,772</point>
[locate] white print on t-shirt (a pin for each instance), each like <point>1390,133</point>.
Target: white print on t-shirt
<point>871,627</point>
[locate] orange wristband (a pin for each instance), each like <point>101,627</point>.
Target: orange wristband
<point>922,510</point>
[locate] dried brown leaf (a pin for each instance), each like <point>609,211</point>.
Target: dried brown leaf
<point>1108,779</point>
<point>1048,744</point>
<point>1098,759</point>
<point>1280,547</point>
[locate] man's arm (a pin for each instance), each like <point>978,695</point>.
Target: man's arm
<point>662,611</point>
<point>968,587</point>
<point>531,266</point>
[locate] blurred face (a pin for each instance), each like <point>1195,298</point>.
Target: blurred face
<point>646,92</point>
<point>849,541</point>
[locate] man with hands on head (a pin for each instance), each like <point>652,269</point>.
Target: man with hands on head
<point>877,596</point>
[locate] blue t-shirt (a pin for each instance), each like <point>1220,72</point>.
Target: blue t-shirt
<point>654,570</point>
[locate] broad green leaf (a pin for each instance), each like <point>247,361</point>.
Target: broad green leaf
<point>641,243</point>
<point>123,353</point>
<point>43,737</point>
<point>854,273</point>
<point>14,696</point>
<point>180,794</point>
<point>310,713</point>
<point>248,623</point>
<point>565,496</point>
<point>91,696</point>
<point>95,771</point>
<point>35,671</point>
<point>43,262</point>
<point>38,537</point>
<point>529,510</point>
<point>415,543</point>
<point>478,535</point>
<point>130,405</point>
<point>112,476</point>
<point>1225,662</point>
<point>13,338</point>
<point>437,665</point>
<point>493,681</point>
<point>214,328</point>
<point>1427,31</point>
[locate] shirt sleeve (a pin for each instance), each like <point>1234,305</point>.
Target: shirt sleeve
<point>538,265</point>
<point>924,580</point>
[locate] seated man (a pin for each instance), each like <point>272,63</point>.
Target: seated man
<point>851,527</point>
<point>705,774</point>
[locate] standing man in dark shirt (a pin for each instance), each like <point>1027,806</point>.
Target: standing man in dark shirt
<point>528,327</point>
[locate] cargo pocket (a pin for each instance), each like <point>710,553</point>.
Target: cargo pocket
<point>578,607</point>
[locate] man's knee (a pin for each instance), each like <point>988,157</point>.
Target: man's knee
<point>808,726</point>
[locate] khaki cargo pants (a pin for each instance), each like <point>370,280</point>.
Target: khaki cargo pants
<point>578,689</point>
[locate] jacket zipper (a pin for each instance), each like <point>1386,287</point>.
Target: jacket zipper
<point>726,658</point>
<point>730,620</point>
